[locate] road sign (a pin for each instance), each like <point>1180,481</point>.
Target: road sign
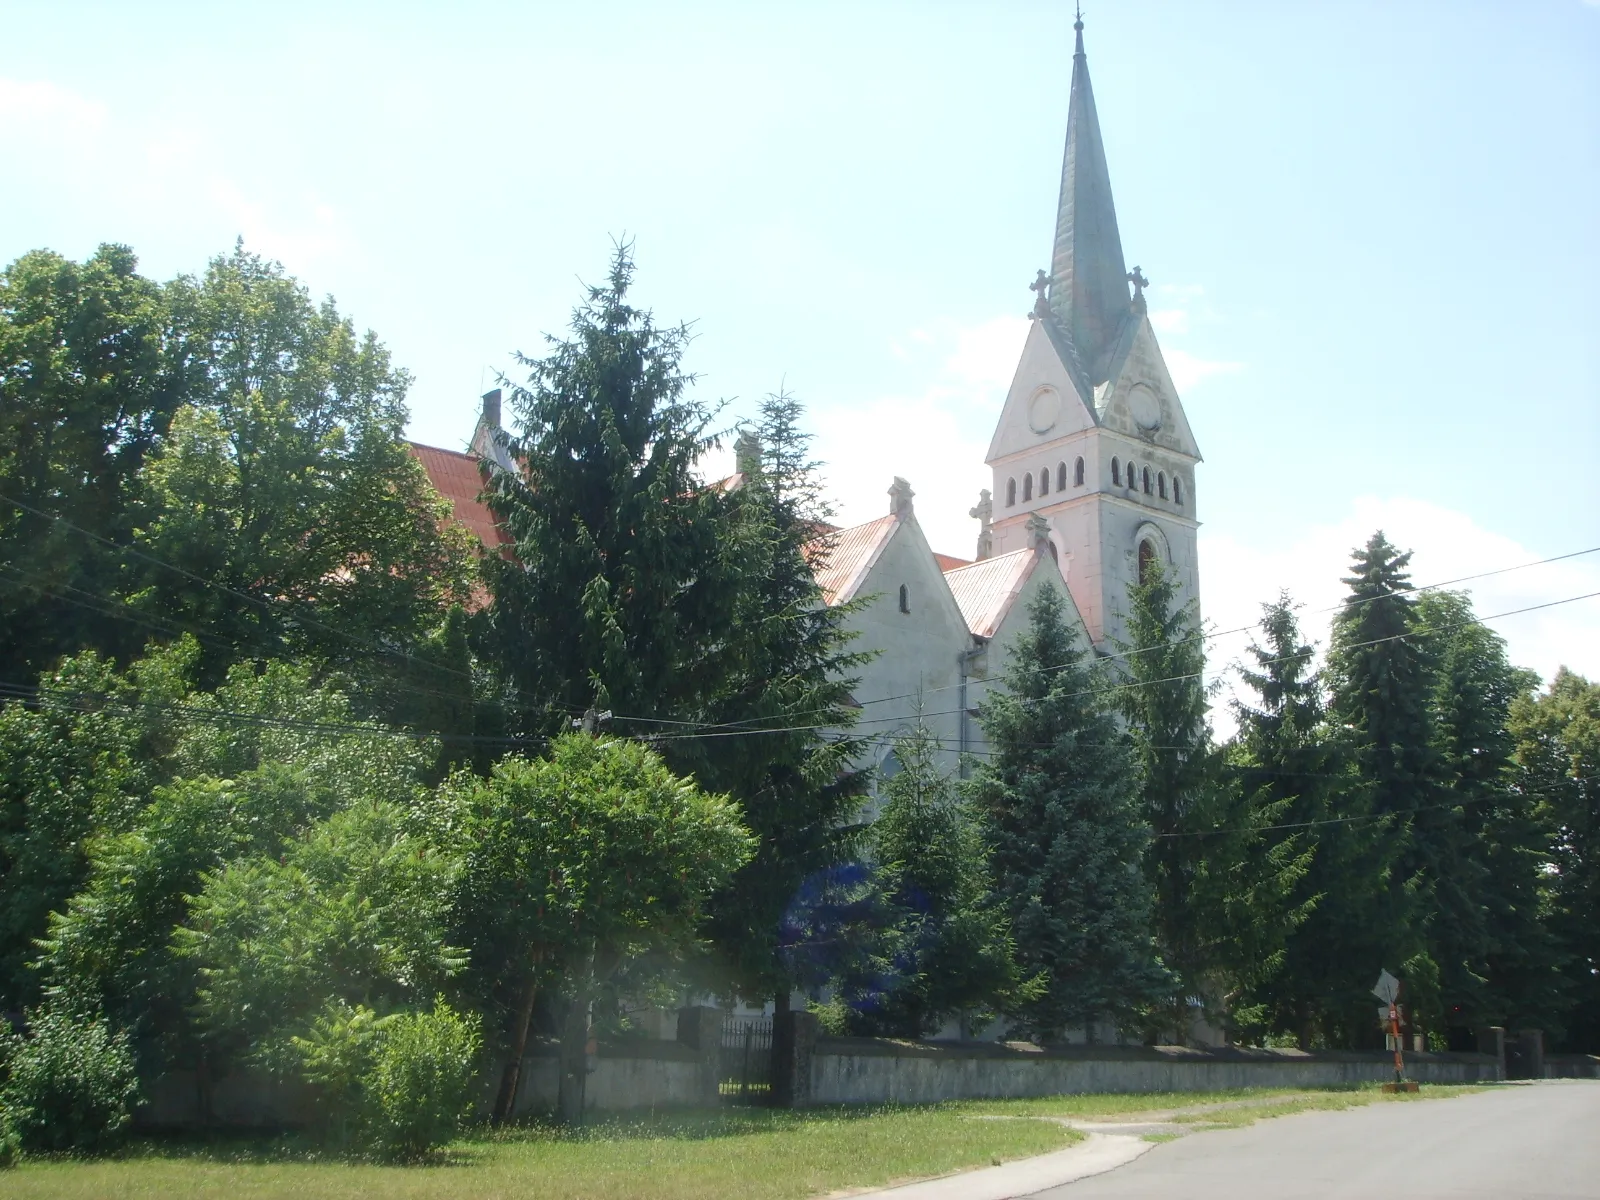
<point>1387,987</point>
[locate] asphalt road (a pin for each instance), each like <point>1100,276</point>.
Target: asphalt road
<point>1513,1142</point>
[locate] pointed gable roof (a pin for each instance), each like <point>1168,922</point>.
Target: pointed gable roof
<point>1088,275</point>
<point>458,478</point>
<point>986,589</point>
<point>846,556</point>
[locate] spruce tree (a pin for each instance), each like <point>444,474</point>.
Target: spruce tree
<point>1059,806</point>
<point>1223,886</point>
<point>944,947</point>
<point>1301,768</point>
<point>1379,691</point>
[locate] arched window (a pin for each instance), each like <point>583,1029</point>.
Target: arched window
<point>1077,474</point>
<point>1147,555</point>
<point>1011,492</point>
<point>1147,481</point>
<point>1044,482</point>
<point>1061,476</point>
<point>905,599</point>
<point>1161,484</point>
<point>1177,489</point>
<point>1116,472</point>
<point>1027,487</point>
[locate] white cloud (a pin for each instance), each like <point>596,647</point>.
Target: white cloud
<point>1189,369</point>
<point>1237,576</point>
<point>47,110</point>
<point>298,237</point>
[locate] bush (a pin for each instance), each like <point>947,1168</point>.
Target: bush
<point>70,1084</point>
<point>418,1091</point>
<point>10,1143</point>
<point>397,1086</point>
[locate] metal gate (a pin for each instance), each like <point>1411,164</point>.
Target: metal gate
<point>744,1060</point>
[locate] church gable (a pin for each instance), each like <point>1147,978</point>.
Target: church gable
<point>1043,405</point>
<point>1140,399</point>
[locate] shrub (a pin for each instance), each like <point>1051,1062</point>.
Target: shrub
<point>10,1143</point>
<point>418,1091</point>
<point>397,1086</point>
<point>70,1085</point>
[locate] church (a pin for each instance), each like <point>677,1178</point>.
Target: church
<point>1093,476</point>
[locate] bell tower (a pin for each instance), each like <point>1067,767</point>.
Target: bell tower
<point>1092,437</point>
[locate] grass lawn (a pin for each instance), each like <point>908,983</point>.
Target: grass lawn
<point>750,1154</point>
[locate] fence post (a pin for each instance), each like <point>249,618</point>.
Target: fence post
<point>794,1042</point>
<point>700,1028</point>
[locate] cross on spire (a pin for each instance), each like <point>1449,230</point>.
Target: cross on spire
<point>1041,302</point>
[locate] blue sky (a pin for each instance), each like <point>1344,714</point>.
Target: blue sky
<point>1370,226</point>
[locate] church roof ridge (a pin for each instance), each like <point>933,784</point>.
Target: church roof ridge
<point>985,590</point>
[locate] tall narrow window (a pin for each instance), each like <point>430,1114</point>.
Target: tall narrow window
<point>1116,472</point>
<point>1027,487</point>
<point>1044,482</point>
<point>1147,555</point>
<point>1147,481</point>
<point>905,599</point>
<point>1161,484</point>
<point>1077,473</point>
<point>1177,489</point>
<point>1061,476</point>
<point>1011,492</point>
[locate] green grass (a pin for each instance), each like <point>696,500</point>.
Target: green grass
<point>751,1154</point>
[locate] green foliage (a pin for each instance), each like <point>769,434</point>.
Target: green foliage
<point>397,1085</point>
<point>75,764</point>
<point>795,779</point>
<point>418,1092</point>
<point>69,1084</point>
<point>86,390</point>
<point>356,910</point>
<point>624,581</point>
<point>1557,734</point>
<point>1065,834</point>
<point>944,947</point>
<point>10,1139</point>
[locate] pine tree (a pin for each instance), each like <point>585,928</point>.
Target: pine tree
<point>1065,836</point>
<point>1302,769</point>
<point>944,948</point>
<point>781,725</point>
<point>1379,691</point>
<point>1223,886</point>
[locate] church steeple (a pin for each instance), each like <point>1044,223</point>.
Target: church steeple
<point>1088,277</point>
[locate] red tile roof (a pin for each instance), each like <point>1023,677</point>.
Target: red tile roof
<point>458,478</point>
<point>850,556</point>
<point>949,562</point>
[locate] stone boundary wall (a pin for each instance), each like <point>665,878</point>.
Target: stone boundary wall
<point>880,1071</point>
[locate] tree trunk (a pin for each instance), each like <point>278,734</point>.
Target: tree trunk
<point>511,1080</point>
<point>574,1061</point>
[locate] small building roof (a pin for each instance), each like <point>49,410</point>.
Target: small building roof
<point>848,557</point>
<point>985,590</point>
<point>458,478</point>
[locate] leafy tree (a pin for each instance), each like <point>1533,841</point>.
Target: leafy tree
<point>1060,812</point>
<point>77,762</point>
<point>624,578</point>
<point>86,390</point>
<point>1379,691</point>
<point>572,865</point>
<point>354,912</point>
<point>945,943</point>
<point>284,515</point>
<point>70,1084</point>
<point>780,727</point>
<point>1557,735</point>
<point>1301,768</point>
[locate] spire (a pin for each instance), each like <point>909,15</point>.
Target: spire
<point>1089,281</point>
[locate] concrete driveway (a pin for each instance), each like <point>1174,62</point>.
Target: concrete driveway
<point>1513,1142</point>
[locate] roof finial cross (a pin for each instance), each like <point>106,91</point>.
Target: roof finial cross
<point>1136,277</point>
<point>1041,307</point>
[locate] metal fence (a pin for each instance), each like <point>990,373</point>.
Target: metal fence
<point>744,1060</point>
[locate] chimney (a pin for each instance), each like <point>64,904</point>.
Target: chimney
<point>747,454</point>
<point>900,494</point>
<point>491,410</point>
